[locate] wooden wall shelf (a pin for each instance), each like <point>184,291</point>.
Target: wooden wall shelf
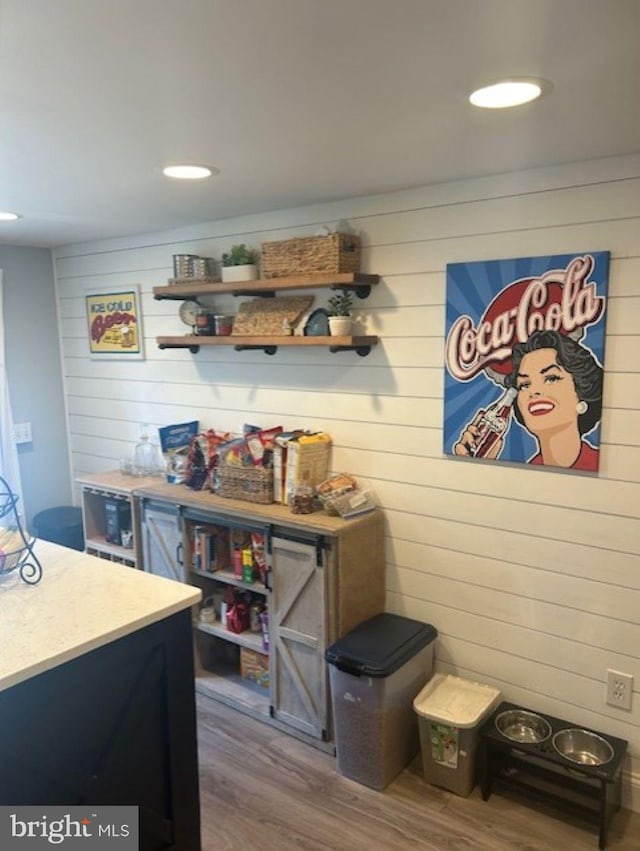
<point>179,289</point>
<point>361,345</point>
<point>184,288</point>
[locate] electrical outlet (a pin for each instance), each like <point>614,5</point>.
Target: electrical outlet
<point>619,689</point>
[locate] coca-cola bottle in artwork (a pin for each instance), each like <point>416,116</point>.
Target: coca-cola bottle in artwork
<point>493,423</point>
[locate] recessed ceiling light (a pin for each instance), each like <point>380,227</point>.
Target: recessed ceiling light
<point>6,216</point>
<point>508,93</point>
<point>189,172</point>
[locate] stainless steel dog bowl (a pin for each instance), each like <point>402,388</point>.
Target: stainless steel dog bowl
<point>522,726</point>
<point>582,747</point>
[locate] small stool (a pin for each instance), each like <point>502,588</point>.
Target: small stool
<point>60,525</point>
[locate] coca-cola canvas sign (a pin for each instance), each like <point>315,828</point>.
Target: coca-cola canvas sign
<point>524,359</point>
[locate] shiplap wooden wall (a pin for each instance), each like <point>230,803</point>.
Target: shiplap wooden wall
<point>532,577</point>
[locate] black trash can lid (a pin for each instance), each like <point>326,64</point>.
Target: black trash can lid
<point>380,646</point>
<point>62,515</point>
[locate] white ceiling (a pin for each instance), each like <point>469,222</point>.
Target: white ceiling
<point>295,101</point>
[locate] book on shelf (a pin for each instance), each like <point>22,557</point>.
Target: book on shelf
<point>210,548</point>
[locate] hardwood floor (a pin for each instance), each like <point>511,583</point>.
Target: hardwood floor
<point>262,790</point>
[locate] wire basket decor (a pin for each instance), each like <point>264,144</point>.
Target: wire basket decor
<point>16,547</point>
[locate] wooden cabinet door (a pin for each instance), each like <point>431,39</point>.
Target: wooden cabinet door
<point>162,549</point>
<point>297,634</point>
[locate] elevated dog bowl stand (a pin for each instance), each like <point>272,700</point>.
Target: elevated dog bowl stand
<point>592,792</point>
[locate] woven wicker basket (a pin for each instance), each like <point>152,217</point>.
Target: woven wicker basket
<point>333,254</point>
<point>252,484</point>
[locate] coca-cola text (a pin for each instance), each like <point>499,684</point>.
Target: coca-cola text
<point>560,300</point>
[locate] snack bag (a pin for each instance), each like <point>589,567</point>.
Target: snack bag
<point>260,445</point>
<point>196,468</point>
<point>257,545</point>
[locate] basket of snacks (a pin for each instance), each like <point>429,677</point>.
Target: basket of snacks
<point>245,466</point>
<point>252,484</point>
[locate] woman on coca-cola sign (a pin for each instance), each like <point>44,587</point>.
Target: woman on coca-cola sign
<point>559,401</point>
<point>557,385</point>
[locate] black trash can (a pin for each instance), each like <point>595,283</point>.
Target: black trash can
<point>60,525</point>
<point>376,671</point>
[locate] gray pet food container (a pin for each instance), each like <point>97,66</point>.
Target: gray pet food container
<point>376,670</point>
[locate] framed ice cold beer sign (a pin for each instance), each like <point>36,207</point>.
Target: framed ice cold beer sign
<point>114,323</point>
<point>524,359</point>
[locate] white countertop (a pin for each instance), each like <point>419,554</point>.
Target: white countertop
<point>82,602</point>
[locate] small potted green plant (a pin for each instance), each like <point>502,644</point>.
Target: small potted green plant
<point>239,264</point>
<point>340,320</point>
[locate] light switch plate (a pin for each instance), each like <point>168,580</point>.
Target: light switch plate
<point>22,432</point>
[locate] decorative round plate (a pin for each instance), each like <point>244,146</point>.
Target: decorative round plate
<point>188,312</point>
<point>317,323</point>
